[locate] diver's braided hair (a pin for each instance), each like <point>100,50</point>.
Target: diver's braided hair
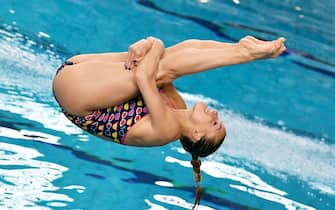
<point>196,163</point>
<point>200,148</point>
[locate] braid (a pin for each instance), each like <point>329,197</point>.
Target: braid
<point>196,163</point>
<point>201,148</point>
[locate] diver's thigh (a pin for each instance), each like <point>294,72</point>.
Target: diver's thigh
<point>112,57</point>
<point>92,85</point>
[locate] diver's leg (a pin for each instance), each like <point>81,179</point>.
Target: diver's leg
<point>190,43</point>
<point>122,56</point>
<point>197,44</point>
<point>192,60</point>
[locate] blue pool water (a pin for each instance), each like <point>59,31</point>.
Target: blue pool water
<point>280,149</point>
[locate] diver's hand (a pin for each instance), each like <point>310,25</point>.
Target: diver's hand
<point>147,69</point>
<point>136,52</point>
<point>258,49</point>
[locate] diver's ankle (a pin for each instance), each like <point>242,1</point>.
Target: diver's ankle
<point>245,52</point>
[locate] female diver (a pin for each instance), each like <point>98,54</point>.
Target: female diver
<point>129,98</point>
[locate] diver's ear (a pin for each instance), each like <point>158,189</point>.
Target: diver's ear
<point>196,134</point>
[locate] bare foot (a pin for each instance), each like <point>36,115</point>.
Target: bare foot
<point>258,49</point>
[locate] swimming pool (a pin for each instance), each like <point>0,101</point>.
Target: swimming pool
<point>279,152</point>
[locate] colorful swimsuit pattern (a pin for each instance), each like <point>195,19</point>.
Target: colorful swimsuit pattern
<point>112,123</point>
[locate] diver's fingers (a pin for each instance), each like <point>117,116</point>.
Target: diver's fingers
<point>129,59</point>
<point>132,64</point>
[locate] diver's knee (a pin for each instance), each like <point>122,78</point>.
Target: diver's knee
<point>165,73</point>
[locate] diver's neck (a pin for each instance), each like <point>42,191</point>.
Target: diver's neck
<point>183,118</point>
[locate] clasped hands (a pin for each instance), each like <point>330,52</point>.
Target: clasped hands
<point>137,51</point>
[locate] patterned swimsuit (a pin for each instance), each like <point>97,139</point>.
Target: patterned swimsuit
<point>113,122</point>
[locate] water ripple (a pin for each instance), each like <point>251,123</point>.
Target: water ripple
<point>30,183</point>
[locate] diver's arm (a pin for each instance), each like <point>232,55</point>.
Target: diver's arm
<point>145,78</point>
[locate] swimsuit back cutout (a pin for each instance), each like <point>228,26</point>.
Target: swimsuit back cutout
<point>112,122</point>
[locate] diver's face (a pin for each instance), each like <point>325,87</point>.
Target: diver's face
<point>207,121</point>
